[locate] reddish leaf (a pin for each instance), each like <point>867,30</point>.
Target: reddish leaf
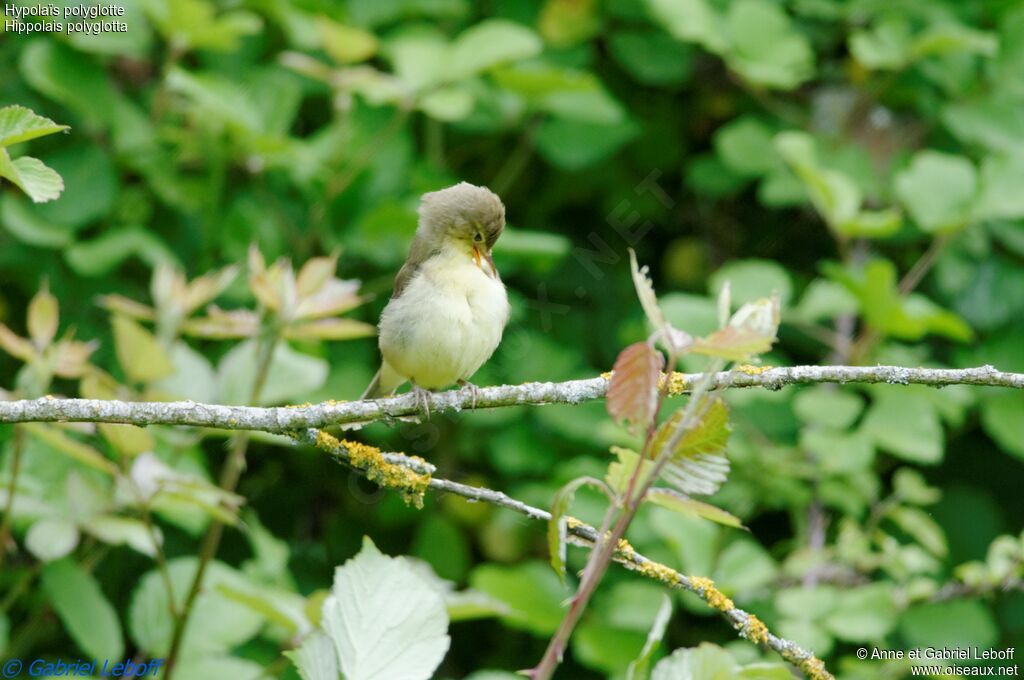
<point>633,393</point>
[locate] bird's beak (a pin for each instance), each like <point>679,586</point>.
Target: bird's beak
<point>484,256</point>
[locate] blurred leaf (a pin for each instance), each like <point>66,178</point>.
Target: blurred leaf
<point>752,279</point>
<point>677,502</point>
<point>827,406</point>
<point>27,226</point>
<point>140,355</point>
<point>123,531</point>
<point>1002,416</point>
<point>43,317</point>
<point>195,24</point>
<point>651,57</point>
<point>531,591</point>
<point>751,331</point>
<point>745,146</point>
<point>490,43</point>
<point>345,44</point>
<point>69,77</point>
<point>51,539</point>
<point>91,186</point>
<point>919,525</point>
<point>380,602</point>
<point>938,189</point>
<point>692,21</point>
<point>573,144</point>
<point>767,48</point>
<point>864,614</point>
<point>87,615</point>
<point>999,195</point>
<point>70,447</point>
<point>706,662</point>
<point>291,374</point>
<point>948,624</point>
<point>906,425</point>
<point>639,668</point>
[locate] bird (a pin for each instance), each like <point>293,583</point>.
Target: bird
<point>449,306</point>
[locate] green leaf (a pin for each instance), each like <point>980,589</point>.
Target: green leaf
<point>651,57</point>
<point>828,406</point>
<point>840,452</point>
<point>1000,195</point>
<point>574,145</point>
<point>621,470</point>
<point>40,182</point>
<point>558,524</point>
<point>19,124</point>
<point>744,567</point>
<point>26,225</point>
<point>384,619</point>
<point>69,77</point>
<point>292,374</point>
<point>345,44</point>
<point>920,526</point>
<point>956,623</point>
<point>938,190</point>
<point>639,668</point>
<point>217,624</point>
<point>767,49</point>
<point>140,354</point>
<point>746,146</point>
<point>315,658</point>
<point>531,591</point>
<point>863,614</point>
<point>696,464</point>
<point>1002,416</point>
<point>448,104</point>
<point>833,193</point>
<point>692,21</point>
<point>750,280</point>
<point>906,425</point>
<point>43,317</point>
<point>110,249</point>
<point>706,662</point>
<point>51,539</point>
<point>885,46</point>
<point>123,531</point>
<point>677,502</point>
<point>490,43</point>
<point>87,615</point>
<point>92,186</point>
<point>825,299</point>
<point>751,331</point>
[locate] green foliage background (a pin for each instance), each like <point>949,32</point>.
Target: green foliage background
<point>825,150</point>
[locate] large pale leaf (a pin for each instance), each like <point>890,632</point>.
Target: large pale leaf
<point>639,668</point>
<point>87,615</point>
<point>41,182</point>
<point>488,44</point>
<point>141,356</point>
<point>751,331</point>
<point>385,619</point>
<point>315,658</point>
<point>677,502</point>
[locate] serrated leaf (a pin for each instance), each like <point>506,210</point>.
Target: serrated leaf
<point>19,124</point>
<point>645,291</point>
<point>558,525</point>
<point>621,471</point>
<point>633,392</point>
<point>696,464</point>
<point>384,619</point>
<point>315,658</point>
<point>139,353</point>
<point>751,331</point>
<point>41,182</point>
<point>677,502</point>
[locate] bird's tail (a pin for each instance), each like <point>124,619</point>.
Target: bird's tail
<point>384,383</point>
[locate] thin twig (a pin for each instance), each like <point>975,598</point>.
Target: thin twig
<point>286,419</point>
<point>584,535</point>
<point>5,524</point>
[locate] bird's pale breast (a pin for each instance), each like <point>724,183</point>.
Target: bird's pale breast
<point>446,323</point>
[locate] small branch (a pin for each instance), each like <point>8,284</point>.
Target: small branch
<point>584,535</point>
<point>285,419</point>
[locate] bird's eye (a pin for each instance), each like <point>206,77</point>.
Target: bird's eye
<point>478,237</point>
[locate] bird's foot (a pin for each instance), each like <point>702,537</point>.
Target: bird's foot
<point>423,399</point>
<point>474,391</point>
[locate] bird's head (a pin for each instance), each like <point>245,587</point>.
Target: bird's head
<point>466,216</point>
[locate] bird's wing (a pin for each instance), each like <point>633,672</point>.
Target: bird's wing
<point>419,253</point>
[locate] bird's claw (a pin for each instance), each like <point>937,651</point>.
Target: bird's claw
<point>474,391</point>
<point>423,398</point>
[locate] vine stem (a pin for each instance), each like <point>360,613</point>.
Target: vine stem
<point>5,525</point>
<point>230,474</point>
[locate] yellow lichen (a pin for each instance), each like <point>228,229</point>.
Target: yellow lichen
<point>815,669</point>
<point>607,375</point>
<point>755,630</point>
<point>712,595</point>
<point>659,572</point>
<point>676,383</point>
<point>753,370</point>
<point>371,462</point>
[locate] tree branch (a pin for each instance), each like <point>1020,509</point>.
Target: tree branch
<point>287,419</point>
<point>584,535</point>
